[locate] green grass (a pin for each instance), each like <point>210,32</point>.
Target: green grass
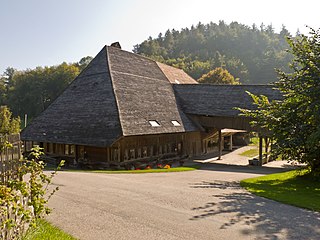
<point>254,141</point>
<point>250,153</point>
<point>295,187</point>
<point>44,230</point>
<point>175,169</point>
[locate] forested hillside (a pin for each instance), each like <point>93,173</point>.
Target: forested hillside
<point>248,53</point>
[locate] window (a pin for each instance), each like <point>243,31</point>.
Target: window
<point>145,152</point>
<point>165,148</point>
<point>66,150</point>
<point>126,154</point>
<point>115,154</point>
<point>160,149</point>
<point>154,123</point>
<point>72,149</point>
<point>151,151</point>
<point>132,154</point>
<point>175,123</point>
<point>177,81</point>
<point>48,147</point>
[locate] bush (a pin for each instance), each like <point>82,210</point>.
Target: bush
<point>24,198</point>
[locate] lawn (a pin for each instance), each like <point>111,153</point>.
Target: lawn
<point>44,230</point>
<point>250,153</point>
<point>161,170</point>
<point>254,141</point>
<point>295,187</point>
<point>255,151</point>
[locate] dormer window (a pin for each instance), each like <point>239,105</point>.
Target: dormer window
<point>154,123</point>
<point>175,123</point>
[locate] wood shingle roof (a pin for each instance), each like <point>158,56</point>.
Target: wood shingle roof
<point>220,100</point>
<point>85,113</point>
<point>176,76</point>
<point>144,94</point>
<point>116,95</point>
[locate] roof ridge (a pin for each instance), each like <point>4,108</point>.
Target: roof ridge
<point>143,56</point>
<point>113,89</point>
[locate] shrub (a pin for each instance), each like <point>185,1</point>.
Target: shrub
<point>24,198</point>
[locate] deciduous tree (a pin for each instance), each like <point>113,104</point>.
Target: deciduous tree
<point>294,121</point>
<point>8,124</point>
<point>218,76</point>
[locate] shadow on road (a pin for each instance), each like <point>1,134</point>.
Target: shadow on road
<point>238,168</point>
<point>256,215</point>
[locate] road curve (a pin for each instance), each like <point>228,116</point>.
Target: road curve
<point>202,204</point>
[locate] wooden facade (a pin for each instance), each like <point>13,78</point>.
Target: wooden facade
<point>129,148</point>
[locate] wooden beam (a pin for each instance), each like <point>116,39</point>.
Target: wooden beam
<point>119,152</point>
<point>76,149</point>
<point>266,147</point>
<point>260,151</point>
<point>220,144</point>
<point>230,147</point>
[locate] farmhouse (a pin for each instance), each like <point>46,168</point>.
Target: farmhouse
<point>125,107</point>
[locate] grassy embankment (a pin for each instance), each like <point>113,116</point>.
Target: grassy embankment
<point>297,187</point>
<point>44,230</point>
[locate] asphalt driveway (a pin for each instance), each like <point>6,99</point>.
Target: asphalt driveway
<point>202,204</point>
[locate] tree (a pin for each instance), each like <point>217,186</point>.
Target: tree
<point>249,53</point>
<point>218,76</point>
<point>294,121</point>
<point>83,63</point>
<point>8,75</point>
<point>35,89</point>
<point>8,124</point>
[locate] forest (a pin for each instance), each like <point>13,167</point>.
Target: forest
<point>31,91</point>
<point>213,53</point>
<point>250,54</point>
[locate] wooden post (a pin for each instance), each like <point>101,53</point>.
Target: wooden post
<point>108,155</point>
<point>119,152</point>
<point>230,147</point>
<point>220,144</point>
<point>76,153</point>
<point>266,146</point>
<point>260,150</point>
<point>25,120</point>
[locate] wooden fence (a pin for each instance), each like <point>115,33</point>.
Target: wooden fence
<point>10,154</point>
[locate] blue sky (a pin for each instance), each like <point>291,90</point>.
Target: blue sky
<point>44,33</point>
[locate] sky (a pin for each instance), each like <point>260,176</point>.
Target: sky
<point>49,32</point>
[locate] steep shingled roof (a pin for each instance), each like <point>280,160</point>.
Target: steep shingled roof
<point>220,100</point>
<point>85,113</point>
<point>175,75</point>
<point>144,94</point>
<point>116,95</point>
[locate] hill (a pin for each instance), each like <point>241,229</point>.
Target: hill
<point>248,53</point>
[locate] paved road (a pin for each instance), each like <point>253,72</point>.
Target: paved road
<point>202,204</point>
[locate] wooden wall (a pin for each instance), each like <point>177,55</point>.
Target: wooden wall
<point>132,147</point>
<point>136,147</point>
